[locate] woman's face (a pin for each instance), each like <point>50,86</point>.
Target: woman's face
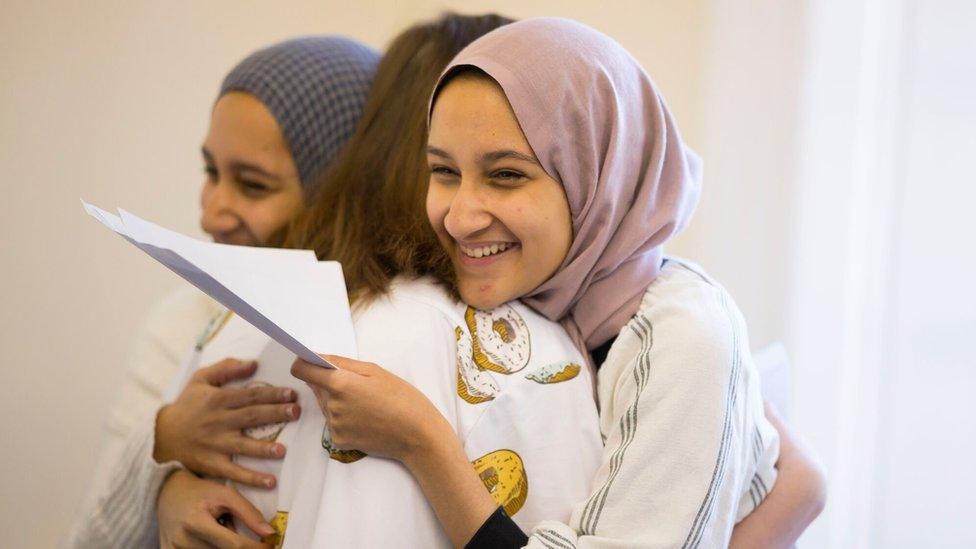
<point>503,220</point>
<point>252,188</point>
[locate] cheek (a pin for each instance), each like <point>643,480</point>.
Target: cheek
<point>438,204</point>
<point>267,217</point>
<point>205,191</point>
<point>548,230</point>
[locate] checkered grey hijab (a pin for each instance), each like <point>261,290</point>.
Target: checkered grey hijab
<point>315,87</point>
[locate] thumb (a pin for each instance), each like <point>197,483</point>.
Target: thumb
<point>242,509</point>
<point>351,365</point>
<point>226,370</point>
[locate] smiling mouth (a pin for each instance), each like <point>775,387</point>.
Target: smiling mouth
<point>478,252</point>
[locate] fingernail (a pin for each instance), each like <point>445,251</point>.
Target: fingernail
<point>268,482</point>
<point>278,450</point>
<point>292,411</point>
<point>287,394</point>
<point>266,530</point>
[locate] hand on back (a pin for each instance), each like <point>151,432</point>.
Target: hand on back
<point>203,427</point>
<point>190,508</point>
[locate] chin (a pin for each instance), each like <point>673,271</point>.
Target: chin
<point>481,296</point>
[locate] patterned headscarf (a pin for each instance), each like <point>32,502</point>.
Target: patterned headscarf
<point>315,87</point>
<point>599,126</point>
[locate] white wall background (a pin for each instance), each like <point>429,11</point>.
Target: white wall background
<point>839,172</point>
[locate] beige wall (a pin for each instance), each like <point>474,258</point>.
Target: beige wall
<point>109,101</point>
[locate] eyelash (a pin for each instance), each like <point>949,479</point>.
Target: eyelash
<point>506,174</point>
<point>253,188</point>
<point>442,170</point>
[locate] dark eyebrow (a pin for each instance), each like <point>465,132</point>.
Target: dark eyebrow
<point>239,166</point>
<point>438,152</point>
<point>508,153</point>
<point>493,156</point>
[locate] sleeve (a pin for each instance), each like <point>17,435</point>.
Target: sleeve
<point>126,472</point>
<point>678,419</point>
<point>124,513</point>
<point>498,532</point>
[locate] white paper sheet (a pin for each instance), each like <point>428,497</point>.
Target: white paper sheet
<point>298,301</point>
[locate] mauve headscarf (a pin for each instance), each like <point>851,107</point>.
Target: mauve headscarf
<point>598,125</point>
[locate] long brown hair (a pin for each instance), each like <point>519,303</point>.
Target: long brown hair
<point>369,211</point>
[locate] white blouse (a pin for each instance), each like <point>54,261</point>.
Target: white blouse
<point>509,381</point>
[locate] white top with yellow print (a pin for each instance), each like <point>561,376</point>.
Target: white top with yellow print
<point>509,381</point>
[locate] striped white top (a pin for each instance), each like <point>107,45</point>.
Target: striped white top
<point>688,452</point>
<point>119,509</point>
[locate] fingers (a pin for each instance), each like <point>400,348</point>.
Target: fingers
<point>311,373</point>
<point>262,414</point>
<point>348,364</point>
<point>226,370</point>
<point>243,445</point>
<point>247,513</point>
<point>233,397</point>
<point>215,535</point>
<point>231,471</point>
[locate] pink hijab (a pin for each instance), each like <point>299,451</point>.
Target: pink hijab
<point>598,125</point>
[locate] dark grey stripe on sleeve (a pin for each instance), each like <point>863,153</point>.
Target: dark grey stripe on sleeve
<point>628,427</point>
<point>545,543</point>
<point>553,538</point>
<point>762,485</point>
<point>718,474</point>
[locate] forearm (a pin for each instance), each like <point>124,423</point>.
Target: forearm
<point>122,513</point>
<point>451,485</point>
<point>787,511</point>
<point>795,501</point>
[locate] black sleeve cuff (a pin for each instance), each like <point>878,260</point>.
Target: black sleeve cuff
<point>498,532</point>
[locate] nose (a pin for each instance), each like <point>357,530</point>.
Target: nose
<point>218,215</point>
<point>468,213</point>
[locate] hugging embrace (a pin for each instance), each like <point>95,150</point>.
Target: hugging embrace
<point>534,370</point>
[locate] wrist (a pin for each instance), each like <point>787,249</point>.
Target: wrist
<point>435,442</point>
<point>160,451</point>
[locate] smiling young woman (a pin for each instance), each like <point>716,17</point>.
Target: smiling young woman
<point>280,118</point>
<point>504,221</point>
<point>252,187</point>
<point>548,141</point>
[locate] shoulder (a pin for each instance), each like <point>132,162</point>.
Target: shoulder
<point>688,305</point>
<point>422,293</point>
<point>686,322</point>
<point>183,310</point>
<point>170,330</point>
<point>412,309</point>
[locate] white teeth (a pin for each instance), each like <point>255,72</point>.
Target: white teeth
<point>485,251</point>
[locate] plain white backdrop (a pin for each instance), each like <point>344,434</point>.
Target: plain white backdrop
<point>838,143</point>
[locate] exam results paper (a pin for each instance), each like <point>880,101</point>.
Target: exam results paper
<point>289,295</point>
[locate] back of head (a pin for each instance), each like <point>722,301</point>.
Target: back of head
<point>368,210</point>
<point>316,88</point>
